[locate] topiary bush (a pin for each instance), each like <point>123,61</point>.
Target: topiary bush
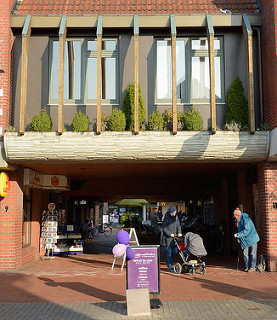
<point>80,122</point>
<point>192,120</point>
<point>129,107</point>
<point>41,122</point>
<point>117,121</point>
<point>237,104</point>
<point>155,121</point>
<point>167,116</point>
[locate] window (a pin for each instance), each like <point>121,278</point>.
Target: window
<point>27,217</point>
<point>80,71</point>
<point>192,71</point>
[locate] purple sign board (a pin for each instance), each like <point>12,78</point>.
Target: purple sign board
<point>143,271</point>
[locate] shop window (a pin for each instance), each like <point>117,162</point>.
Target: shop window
<point>80,71</point>
<point>192,70</point>
<point>27,217</point>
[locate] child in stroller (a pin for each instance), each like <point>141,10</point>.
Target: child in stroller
<point>193,245</point>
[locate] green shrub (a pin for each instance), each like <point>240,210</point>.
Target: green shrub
<point>155,121</point>
<point>129,107</point>
<point>131,220</point>
<point>117,121</point>
<point>237,104</point>
<point>80,122</point>
<point>265,126</point>
<point>167,116</point>
<point>41,122</point>
<point>192,120</point>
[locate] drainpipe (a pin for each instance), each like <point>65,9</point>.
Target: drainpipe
<point>260,72</point>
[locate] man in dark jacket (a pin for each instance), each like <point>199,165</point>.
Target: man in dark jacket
<point>248,238</point>
<point>171,229</point>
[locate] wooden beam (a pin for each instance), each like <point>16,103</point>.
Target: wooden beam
<point>210,34</point>
<point>136,49</point>
<point>26,32</point>
<point>174,83</point>
<point>247,31</point>
<point>99,68</point>
<point>62,39</point>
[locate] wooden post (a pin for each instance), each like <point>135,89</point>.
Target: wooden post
<point>62,38</point>
<point>136,49</point>
<point>99,67</point>
<point>26,32</point>
<point>210,33</point>
<point>247,32</point>
<point>174,89</point>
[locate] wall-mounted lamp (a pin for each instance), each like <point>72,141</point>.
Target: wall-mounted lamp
<point>2,71</point>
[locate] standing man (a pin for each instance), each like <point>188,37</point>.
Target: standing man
<point>171,229</point>
<point>248,237</point>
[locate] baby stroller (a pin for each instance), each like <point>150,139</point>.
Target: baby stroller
<point>189,266</point>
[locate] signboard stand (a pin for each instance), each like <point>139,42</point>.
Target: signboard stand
<point>133,240</point>
<point>143,271</point>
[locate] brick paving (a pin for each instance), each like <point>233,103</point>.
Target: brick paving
<point>85,287</point>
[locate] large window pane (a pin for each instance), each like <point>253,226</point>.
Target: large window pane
<point>180,69</point>
<point>217,67</point>
<point>200,84</point>
<point>92,78</point>
<point>109,78</point>
<point>72,70</point>
<point>164,70</point>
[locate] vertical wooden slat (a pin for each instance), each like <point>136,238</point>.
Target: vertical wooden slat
<point>210,33</point>
<point>99,70</point>
<point>174,82</point>
<point>62,39</point>
<point>24,69</point>
<point>136,71</point>
<point>247,31</point>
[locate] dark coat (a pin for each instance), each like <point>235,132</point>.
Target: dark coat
<point>171,225</point>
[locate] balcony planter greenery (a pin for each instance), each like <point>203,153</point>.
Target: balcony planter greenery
<point>41,122</point>
<point>155,121</point>
<point>116,121</point>
<point>80,122</point>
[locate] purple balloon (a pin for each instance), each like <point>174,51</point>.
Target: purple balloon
<point>119,250</point>
<point>130,253</point>
<point>123,237</point>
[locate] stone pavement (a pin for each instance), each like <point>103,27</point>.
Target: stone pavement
<point>185,310</point>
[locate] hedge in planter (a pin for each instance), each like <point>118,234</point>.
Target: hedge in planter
<point>192,120</point>
<point>41,122</point>
<point>155,121</point>
<point>237,104</point>
<point>80,122</point>
<point>117,121</point>
<point>129,107</point>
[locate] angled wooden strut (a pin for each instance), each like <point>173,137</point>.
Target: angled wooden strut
<point>210,34</point>
<point>99,71</point>
<point>248,37</point>
<point>26,32</point>
<point>62,39</point>
<point>136,49</point>
<point>174,82</point>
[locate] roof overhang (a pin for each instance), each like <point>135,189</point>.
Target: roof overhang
<point>273,146</point>
<point>145,21</point>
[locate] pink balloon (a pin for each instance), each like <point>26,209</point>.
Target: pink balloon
<point>119,250</point>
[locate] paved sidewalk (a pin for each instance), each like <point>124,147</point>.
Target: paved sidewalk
<point>185,310</point>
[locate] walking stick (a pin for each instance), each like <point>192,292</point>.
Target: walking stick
<point>238,259</point>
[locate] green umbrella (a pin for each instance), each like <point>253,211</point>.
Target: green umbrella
<point>129,203</point>
<point>142,201</point>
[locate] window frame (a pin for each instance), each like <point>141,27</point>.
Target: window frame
<point>27,207</point>
<point>189,53</point>
<point>84,56</point>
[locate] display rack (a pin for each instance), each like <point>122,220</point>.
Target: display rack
<point>68,243</point>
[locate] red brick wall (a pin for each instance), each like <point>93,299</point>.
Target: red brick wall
<point>11,224</point>
<point>6,41</point>
<point>267,180</point>
<point>269,60</point>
